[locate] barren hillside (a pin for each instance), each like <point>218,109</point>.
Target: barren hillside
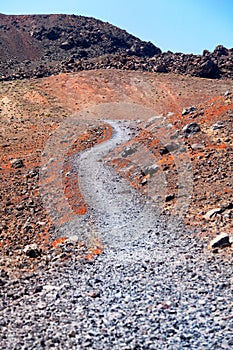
<point>41,45</point>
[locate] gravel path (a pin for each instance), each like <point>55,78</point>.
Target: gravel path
<point>155,286</point>
<point>120,215</point>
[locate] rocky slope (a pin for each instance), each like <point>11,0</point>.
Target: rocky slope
<point>41,45</point>
<point>32,109</point>
<point>37,43</point>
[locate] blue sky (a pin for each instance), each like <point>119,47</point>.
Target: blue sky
<point>187,26</point>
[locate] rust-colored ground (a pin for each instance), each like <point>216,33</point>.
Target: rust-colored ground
<point>210,153</point>
<point>32,110</point>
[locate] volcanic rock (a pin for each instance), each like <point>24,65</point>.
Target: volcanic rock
<point>189,110</point>
<point>220,241</point>
<point>17,163</point>
<point>190,129</point>
<point>32,251</point>
<point>43,45</point>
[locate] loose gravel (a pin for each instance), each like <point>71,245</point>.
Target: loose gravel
<point>178,297</point>
<point>162,290</point>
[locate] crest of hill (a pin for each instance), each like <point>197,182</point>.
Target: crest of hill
<point>42,45</point>
<point>56,37</point>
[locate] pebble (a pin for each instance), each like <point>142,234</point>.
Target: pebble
<point>189,110</point>
<point>220,241</point>
<point>17,163</point>
<point>32,251</point>
<point>211,213</point>
<point>218,125</point>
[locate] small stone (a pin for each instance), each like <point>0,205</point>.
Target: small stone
<point>38,289</point>
<point>197,146</point>
<point>211,213</point>
<point>227,93</point>
<point>66,45</point>
<point>74,239</point>
<point>71,333</point>
<point>191,128</point>
<point>144,182</point>
<point>94,294</point>
<point>151,170</point>
<point>164,151</point>
<point>172,146</point>
<point>189,110</point>
<point>17,163</point>
<point>128,151</point>
<point>32,251</point>
<point>41,305</point>
<point>169,197</point>
<point>220,241</point>
<point>218,125</point>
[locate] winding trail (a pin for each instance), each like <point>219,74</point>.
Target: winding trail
<point>119,213</point>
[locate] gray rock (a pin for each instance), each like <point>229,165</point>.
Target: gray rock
<point>163,151</point>
<point>227,93</point>
<point>169,197</point>
<point>220,241</point>
<point>189,110</point>
<point>191,128</point>
<point>143,182</point>
<point>197,146</point>
<point>177,134</point>
<point>151,170</point>
<point>172,146</point>
<point>218,125</point>
<point>212,212</point>
<point>66,45</point>
<point>128,151</point>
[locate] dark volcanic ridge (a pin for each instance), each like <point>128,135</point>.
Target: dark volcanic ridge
<point>42,45</point>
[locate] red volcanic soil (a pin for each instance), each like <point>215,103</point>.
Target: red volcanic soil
<point>31,110</point>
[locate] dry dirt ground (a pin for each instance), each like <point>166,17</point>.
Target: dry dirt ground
<point>31,110</point>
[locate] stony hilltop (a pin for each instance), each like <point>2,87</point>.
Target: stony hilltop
<point>41,45</point>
